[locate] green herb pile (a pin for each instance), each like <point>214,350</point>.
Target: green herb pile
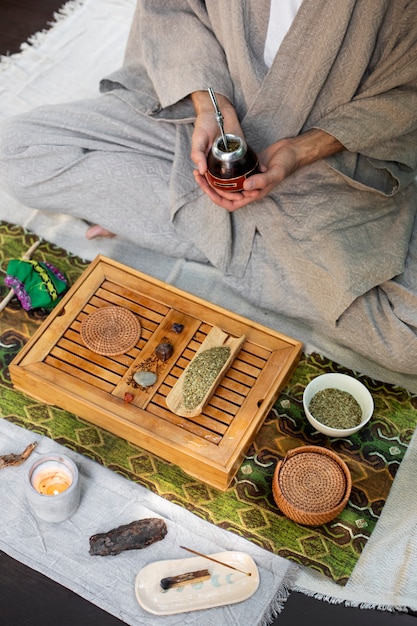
<point>201,374</point>
<point>335,408</point>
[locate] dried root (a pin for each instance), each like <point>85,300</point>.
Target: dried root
<point>17,459</point>
<point>134,536</point>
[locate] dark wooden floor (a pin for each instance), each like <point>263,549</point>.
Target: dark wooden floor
<point>21,18</point>
<point>28,598</point>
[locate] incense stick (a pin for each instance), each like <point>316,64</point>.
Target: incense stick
<point>216,561</point>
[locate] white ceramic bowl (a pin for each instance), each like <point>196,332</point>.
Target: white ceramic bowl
<point>344,383</point>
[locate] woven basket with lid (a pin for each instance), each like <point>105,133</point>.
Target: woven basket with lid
<point>311,485</point>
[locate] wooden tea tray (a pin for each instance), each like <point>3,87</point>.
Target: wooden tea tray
<point>56,367</point>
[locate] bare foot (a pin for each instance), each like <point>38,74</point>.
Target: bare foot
<point>98,231</point>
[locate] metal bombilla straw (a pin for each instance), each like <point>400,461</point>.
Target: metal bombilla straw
<point>219,117</point>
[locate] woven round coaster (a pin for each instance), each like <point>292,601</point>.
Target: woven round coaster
<point>111,330</point>
<point>311,485</point>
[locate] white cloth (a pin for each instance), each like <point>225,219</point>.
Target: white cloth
<point>61,550</point>
<point>281,16</point>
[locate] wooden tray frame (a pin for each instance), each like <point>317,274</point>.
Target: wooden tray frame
<point>57,368</point>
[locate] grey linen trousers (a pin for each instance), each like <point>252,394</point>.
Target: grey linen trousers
<point>98,160</point>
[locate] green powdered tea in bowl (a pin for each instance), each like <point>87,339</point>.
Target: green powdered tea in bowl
<point>336,408</point>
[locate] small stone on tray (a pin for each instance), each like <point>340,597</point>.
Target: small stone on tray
<point>164,351</point>
<point>145,379</point>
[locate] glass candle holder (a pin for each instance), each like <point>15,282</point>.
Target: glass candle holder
<point>228,169</point>
<point>53,487</point>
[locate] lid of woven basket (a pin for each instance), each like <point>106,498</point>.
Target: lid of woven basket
<point>111,330</point>
<point>312,481</point>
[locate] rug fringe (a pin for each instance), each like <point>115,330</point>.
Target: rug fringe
<point>278,603</point>
<point>35,40</point>
<point>389,608</point>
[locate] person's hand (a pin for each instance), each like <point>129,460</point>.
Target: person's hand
<point>229,200</point>
<point>205,132</point>
<point>206,129</point>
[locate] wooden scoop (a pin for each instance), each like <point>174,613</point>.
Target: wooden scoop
<point>215,338</point>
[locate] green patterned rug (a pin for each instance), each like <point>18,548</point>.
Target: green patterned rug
<point>247,508</point>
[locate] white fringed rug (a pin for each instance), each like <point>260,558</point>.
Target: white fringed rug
<point>60,550</point>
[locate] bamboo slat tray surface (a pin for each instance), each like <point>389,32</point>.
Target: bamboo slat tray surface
<point>56,367</point>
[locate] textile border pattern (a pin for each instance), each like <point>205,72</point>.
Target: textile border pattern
<point>247,508</point>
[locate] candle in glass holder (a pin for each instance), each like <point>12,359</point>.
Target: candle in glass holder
<point>51,478</point>
<point>53,487</point>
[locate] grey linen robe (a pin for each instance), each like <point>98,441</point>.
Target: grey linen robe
<point>335,229</point>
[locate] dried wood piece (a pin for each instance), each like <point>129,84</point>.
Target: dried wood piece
<point>17,459</point>
<point>133,536</point>
<point>185,579</point>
